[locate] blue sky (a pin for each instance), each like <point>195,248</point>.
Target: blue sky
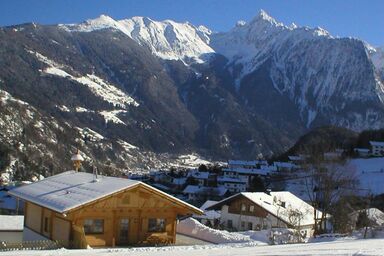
<point>357,18</point>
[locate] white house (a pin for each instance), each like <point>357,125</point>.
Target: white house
<point>377,148</point>
<point>259,210</point>
<point>234,184</point>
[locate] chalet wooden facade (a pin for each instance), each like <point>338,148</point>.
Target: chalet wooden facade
<point>80,211</point>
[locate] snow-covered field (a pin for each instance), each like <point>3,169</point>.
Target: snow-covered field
<point>341,247</point>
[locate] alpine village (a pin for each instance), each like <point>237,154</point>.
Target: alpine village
<point>138,133</point>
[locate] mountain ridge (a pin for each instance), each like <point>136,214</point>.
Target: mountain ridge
<point>137,89</point>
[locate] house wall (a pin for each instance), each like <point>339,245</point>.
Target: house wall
<point>137,205</point>
<point>258,221</point>
<point>33,217</point>
<point>58,227</point>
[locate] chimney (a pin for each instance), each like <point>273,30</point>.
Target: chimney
<point>77,159</point>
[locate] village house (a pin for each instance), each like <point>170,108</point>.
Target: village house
<point>377,148</point>
<point>238,175</point>
<point>82,209</point>
<point>259,210</point>
<point>202,193</point>
<point>233,184</point>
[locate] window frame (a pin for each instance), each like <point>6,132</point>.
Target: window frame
<point>160,222</point>
<point>46,228</point>
<point>92,226</point>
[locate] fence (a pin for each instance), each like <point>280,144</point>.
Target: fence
<point>31,245</point>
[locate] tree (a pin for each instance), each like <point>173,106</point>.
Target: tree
<point>363,221</point>
<point>326,182</point>
<point>257,184</point>
<point>295,217</point>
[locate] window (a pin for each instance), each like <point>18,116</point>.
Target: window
<point>156,225</point>
<point>243,224</point>
<point>93,226</point>
<point>46,224</point>
<point>229,223</point>
<point>251,208</point>
<point>250,226</point>
<point>243,207</point>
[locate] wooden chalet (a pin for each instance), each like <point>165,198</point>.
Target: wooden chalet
<point>81,209</point>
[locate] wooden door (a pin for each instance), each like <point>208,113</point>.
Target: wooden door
<point>123,231</point>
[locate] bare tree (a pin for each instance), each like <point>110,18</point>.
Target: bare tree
<point>326,182</point>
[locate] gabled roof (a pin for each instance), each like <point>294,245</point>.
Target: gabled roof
<point>273,204</point>
<point>70,190</point>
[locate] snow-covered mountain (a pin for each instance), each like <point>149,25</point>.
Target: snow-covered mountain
<point>166,39</point>
<point>136,89</point>
<point>320,74</point>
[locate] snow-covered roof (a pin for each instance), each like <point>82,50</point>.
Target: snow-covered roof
<point>195,189</point>
<point>199,175</point>
<point>284,164</point>
<point>207,204</point>
<point>11,222</point>
<point>69,190</point>
<point>377,143</point>
<point>224,179</point>
<point>280,204</point>
<point>211,214</point>
<point>179,181</point>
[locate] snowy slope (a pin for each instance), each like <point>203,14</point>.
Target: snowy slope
<point>167,39</point>
<point>377,56</point>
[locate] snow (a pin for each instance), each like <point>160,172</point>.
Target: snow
<point>97,85</point>
<point>111,116</point>
<point>89,134</point>
<point>344,247</point>
<point>193,228</point>
<point>190,161</point>
<point>127,146</point>
<point>166,39</point>
<point>369,172</point>
<point>11,222</point>
<point>210,215</point>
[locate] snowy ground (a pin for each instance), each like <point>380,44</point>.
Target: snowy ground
<point>342,247</point>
